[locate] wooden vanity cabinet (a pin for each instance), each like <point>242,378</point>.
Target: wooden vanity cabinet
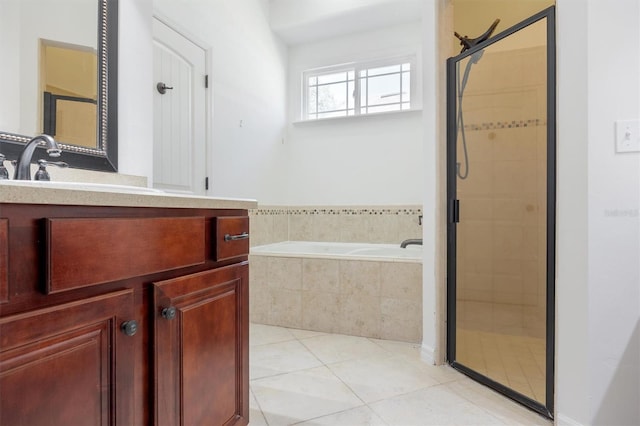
<point>159,336</point>
<point>198,340</point>
<point>68,364</point>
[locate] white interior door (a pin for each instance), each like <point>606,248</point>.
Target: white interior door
<point>179,149</point>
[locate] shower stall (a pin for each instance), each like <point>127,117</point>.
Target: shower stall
<point>501,211</point>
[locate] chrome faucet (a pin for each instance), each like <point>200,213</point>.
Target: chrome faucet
<point>23,165</point>
<point>410,241</point>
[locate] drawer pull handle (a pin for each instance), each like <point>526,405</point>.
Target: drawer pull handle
<point>129,327</point>
<point>168,313</point>
<point>242,236</point>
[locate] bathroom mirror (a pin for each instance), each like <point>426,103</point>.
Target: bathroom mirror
<point>28,108</point>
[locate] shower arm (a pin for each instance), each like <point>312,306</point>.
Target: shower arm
<point>468,43</point>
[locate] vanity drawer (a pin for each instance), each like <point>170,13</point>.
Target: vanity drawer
<point>86,252</point>
<point>232,237</point>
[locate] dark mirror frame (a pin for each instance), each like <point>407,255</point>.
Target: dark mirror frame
<point>105,156</point>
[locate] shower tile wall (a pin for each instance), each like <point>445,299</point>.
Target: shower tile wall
<point>503,215</point>
<point>352,224</point>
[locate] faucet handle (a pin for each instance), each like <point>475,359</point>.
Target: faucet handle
<point>42,173</point>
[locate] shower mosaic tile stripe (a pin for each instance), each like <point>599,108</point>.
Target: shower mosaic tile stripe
<point>506,124</point>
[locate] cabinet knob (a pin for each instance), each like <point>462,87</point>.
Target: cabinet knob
<point>129,327</point>
<point>168,313</point>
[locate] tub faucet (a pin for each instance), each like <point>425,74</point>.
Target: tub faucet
<point>23,165</point>
<point>410,241</point>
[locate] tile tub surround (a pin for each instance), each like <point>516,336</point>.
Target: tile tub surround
<point>377,299</point>
<point>348,224</point>
<point>268,224</point>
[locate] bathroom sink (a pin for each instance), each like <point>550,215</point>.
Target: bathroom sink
<point>82,186</point>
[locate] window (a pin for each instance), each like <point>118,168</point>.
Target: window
<point>358,88</point>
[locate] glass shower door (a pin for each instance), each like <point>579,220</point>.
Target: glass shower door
<point>501,181</point>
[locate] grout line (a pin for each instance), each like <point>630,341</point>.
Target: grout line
<point>311,352</point>
<point>329,414</point>
<point>259,406</point>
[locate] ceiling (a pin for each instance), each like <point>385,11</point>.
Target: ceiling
<point>307,21</point>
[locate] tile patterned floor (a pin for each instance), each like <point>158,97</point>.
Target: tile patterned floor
<point>515,361</point>
<point>308,378</point>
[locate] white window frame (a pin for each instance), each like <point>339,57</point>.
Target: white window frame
<point>356,68</point>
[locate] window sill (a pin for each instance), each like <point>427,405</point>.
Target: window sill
<point>357,117</point>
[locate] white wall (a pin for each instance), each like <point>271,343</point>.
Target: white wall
<point>598,352</point>
<point>361,160</point>
<point>135,85</point>
<point>572,369</point>
<point>10,52</point>
<point>248,76</point>
<point>614,219</point>
<point>430,140</point>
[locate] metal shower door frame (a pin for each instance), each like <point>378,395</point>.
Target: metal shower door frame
<point>546,409</point>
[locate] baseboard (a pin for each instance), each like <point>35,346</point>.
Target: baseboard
<point>427,354</point>
<point>562,420</point>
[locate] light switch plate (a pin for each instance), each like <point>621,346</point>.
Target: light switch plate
<point>628,136</point>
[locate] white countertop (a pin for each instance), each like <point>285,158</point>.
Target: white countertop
<point>92,194</point>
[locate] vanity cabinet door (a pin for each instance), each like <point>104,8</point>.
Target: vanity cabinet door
<point>201,338</point>
<point>70,364</point>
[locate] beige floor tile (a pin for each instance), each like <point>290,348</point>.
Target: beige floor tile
<point>360,416</point>
<point>496,404</point>
<point>376,378</point>
<point>437,405</point>
<point>279,358</point>
<point>290,385</point>
<point>260,334</point>
<point>333,348</point>
<point>255,413</point>
<point>410,350</point>
<point>303,395</point>
<point>305,334</point>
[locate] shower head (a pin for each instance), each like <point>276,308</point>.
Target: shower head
<point>468,43</point>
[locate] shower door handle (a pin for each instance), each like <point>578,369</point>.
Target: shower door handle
<point>454,211</point>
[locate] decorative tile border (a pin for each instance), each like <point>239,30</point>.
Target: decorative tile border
<point>364,224</point>
<point>268,212</point>
<point>352,211</point>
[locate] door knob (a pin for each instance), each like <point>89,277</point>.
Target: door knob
<point>162,88</point>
